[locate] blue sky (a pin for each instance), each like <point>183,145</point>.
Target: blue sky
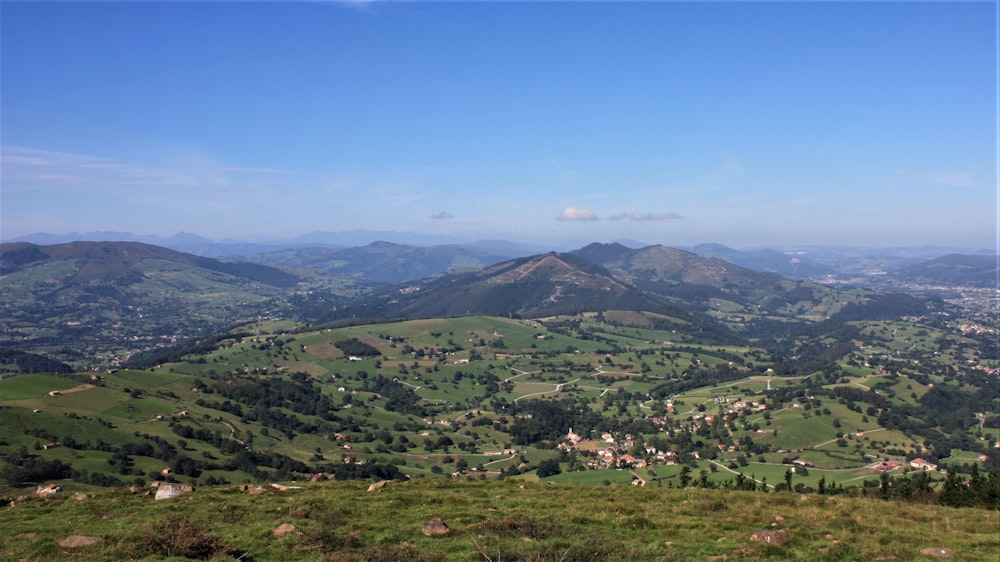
<point>745,123</point>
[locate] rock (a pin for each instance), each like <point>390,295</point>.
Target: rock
<point>937,551</point>
<point>79,496</point>
<point>172,490</point>
<point>377,486</point>
<point>776,538</point>
<point>286,529</point>
<point>47,490</point>
<point>78,541</point>
<point>436,528</point>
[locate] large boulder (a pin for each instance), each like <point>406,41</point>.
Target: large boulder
<point>436,528</point>
<point>378,486</point>
<point>777,538</point>
<point>286,529</point>
<point>171,490</point>
<point>937,552</point>
<point>78,541</point>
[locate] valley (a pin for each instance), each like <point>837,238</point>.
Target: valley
<point>652,372</point>
<point>606,365</point>
<point>593,397</point>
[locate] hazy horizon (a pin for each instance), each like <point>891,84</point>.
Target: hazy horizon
<point>364,237</point>
<point>744,124</point>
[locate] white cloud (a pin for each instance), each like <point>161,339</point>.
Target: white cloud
<point>646,217</point>
<point>575,214</point>
<point>655,217</point>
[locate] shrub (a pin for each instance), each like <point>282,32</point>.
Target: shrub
<point>177,537</point>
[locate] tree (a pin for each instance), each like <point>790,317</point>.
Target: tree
<point>548,468</point>
<point>954,493</point>
<point>885,486</point>
<point>685,476</point>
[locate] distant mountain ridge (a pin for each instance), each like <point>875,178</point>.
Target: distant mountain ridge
<point>70,292</point>
<point>795,261</point>
<point>795,265</point>
<point>386,262</point>
<point>545,284</point>
<point>952,270</point>
<point>105,260</point>
<point>199,245</point>
<point>64,298</point>
<point>727,302</point>
<point>661,263</point>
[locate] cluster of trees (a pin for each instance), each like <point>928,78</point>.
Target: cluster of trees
<point>696,378</point>
<point>296,393</point>
<point>399,397</point>
<point>23,362</point>
<point>547,420</point>
<point>884,306</point>
<point>357,348</point>
<point>978,490</point>
<point>23,467</point>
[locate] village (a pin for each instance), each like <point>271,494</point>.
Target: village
<point>625,453</point>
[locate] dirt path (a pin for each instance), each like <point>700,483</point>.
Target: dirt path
<point>79,388</point>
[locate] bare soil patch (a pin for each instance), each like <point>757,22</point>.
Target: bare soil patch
<point>78,388</point>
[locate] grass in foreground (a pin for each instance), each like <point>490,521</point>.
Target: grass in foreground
<point>489,521</point>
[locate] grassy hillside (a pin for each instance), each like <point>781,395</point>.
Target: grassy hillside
<point>487,397</point>
<point>490,521</point>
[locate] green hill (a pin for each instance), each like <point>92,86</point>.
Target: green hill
<point>493,397</point>
<point>953,270</point>
<point>95,303</point>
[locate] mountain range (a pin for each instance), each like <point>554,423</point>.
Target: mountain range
<point>226,248</point>
<point>387,262</point>
<point>794,261</point>
<point>80,300</point>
